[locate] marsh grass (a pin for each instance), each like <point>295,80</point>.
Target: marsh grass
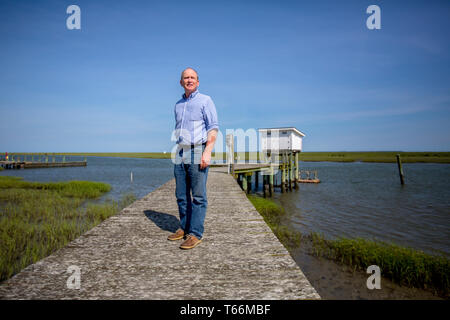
<point>36,218</point>
<point>378,156</point>
<point>273,215</point>
<point>404,266</point>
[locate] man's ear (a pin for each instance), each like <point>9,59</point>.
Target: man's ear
<point>181,83</point>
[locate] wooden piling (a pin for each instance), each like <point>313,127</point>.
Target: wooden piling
<point>271,181</point>
<point>400,169</point>
<point>283,174</point>
<point>290,171</point>
<point>265,186</point>
<point>287,172</point>
<point>244,182</point>
<point>296,170</point>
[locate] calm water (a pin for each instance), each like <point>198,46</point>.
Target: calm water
<point>148,174</point>
<point>353,199</point>
<point>367,200</point>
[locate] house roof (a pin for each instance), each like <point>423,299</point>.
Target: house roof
<point>283,129</point>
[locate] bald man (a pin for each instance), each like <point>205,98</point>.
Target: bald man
<point>196,127</point>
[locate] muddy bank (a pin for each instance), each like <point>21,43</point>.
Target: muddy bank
<point>333,280</point>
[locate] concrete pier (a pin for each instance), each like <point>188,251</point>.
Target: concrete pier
<point>128,257</point>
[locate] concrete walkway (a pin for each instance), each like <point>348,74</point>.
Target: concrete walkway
<point>128,257</point>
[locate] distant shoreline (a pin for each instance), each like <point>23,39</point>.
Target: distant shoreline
<point>370,156</point>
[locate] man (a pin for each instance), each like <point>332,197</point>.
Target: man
<point>196,126</point>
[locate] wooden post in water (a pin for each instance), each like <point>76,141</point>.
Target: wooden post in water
<point>244,182</point>
<point>296,170</point>
<point>287,172</point>
<point>271,181</point>
<point>256,180</point>
<point>290,171</point>
<point>265,186</point>
<point>283,175</point>
<point>249,180</point>
<point>400,169</point>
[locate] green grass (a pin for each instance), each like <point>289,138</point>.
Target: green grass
<point>36,218</point>
<point>404,266</point>
<point>374,156</point>
<point>76,189</point>
<point>406,157</point>
<point>150,155</point>
<point>273,215</point>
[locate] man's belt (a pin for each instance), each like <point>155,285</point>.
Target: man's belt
<point>197,145</point>
<point>192,146</point>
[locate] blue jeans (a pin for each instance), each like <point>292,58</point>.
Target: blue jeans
<point>190,178</point>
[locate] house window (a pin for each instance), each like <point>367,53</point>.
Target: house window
<point>269,133</point>
<point>283,132</point>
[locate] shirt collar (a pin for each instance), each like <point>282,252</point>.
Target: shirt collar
<point>192,95</point>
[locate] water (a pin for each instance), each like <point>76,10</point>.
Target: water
<point>367,200</point>
<point>148,174</point>
<point>353,199</point>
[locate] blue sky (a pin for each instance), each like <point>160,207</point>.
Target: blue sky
<point>313,65</point>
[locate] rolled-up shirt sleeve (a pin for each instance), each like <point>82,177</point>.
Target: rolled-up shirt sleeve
<point>210,116</point>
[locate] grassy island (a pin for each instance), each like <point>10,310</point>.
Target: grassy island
<point>37,218</point>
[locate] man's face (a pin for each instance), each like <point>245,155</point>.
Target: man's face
<point>189,80</point>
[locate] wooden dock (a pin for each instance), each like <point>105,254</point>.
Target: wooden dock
<point>128,257</point>
<point>32,165</point>
<point>288,171</point>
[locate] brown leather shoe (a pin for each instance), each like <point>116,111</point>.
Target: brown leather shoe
<point>190,242</point>
<point>179,234</point>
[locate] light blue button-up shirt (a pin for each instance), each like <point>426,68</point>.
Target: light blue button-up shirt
<point>194,118</point>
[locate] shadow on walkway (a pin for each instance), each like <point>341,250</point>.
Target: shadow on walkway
<point>164,221</point>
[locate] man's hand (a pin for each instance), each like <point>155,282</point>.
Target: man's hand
<point>206,156</point>
<point>206,159</point>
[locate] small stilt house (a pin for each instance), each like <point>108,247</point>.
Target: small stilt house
<point>280,140</point>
